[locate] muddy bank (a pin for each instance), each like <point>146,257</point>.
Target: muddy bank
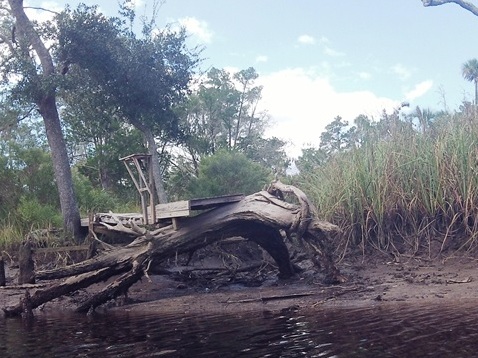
<point>370,281</point>
<point>378,282</point>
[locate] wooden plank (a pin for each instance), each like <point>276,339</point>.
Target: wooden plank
<point>206,203</point>
<point>173,210</point>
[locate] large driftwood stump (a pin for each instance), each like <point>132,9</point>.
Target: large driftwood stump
<point>264,218</point>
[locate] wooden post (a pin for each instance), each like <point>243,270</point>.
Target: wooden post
<point>26,264</point>
<point>3,280</point>
<point>140,164</point>
<point>90,239</point>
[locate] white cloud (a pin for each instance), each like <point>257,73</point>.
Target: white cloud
<point>262,58</point>
<point>198,28</point>
<point>402,72</point>
<point>331,52</point>
<point>306,40</point>
<point>301,104</point>
<point>419,90</point>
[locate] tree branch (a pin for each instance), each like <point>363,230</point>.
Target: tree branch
<point>42,9</point>
<point>464,4</point>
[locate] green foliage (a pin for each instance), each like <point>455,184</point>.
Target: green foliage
<point>140,78</point>
<point>25,169</point>
<point>222,114</point>
<point>91,199</point>
<point>228,172</point>
<point>33,215</point>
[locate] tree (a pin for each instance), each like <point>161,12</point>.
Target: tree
<point>310,159</point>
<point>464,4</point>
<point>96,136</point>
<point>335,138</point>
<point>222,114</point>
<point>228,172</point>
<point>470,73</point>
<point>249,95</point>
<point>425,118</point>
<point>141,78</point>
<point>37,79</point>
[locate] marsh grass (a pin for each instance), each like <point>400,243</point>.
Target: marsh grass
<point>411,193</point>
<point>10,237</point>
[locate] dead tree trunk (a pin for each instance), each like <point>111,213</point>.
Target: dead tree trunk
<point>264,218</point>
<point>26,264</point>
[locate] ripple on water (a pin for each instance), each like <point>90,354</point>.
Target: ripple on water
<point>387,330</point>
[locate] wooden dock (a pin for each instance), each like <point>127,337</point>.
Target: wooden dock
<point>165,213</point>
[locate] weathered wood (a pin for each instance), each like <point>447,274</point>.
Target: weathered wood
<point>144,182</point>
<point>207,203</point>
<point>173,210</point>
<point>3,280</point>
<point>261,217</point>
<point>26,264</point>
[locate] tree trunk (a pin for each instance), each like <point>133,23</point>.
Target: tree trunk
<point>46,101</point>
<point>61,165</point>
<point>155,167</point>
<point>262,217</point>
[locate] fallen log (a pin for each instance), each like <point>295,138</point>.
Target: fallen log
<point>264,218</point>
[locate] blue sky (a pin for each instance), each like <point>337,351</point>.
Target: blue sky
<point>318,59</point>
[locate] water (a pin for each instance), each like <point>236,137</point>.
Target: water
<point>381,331</point>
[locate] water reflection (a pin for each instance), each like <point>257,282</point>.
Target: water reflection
<point>381,331</point>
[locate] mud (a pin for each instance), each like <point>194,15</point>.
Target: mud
<point>371,281</point>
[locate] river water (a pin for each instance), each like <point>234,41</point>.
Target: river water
<point>386,330</point>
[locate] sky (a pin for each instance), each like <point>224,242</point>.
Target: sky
<point>319,59</point>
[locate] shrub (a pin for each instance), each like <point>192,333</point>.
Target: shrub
<point>228,172</point>
<point>32,214</point>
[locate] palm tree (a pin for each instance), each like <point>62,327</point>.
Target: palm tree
<point>470,73</point>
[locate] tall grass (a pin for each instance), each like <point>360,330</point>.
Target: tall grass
<point>414,193</point>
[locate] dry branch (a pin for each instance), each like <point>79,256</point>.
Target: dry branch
<point>464,4</point>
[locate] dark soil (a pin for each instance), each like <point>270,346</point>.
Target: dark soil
<point>216,283</point>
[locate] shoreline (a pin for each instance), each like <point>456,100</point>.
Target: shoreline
<point>372,283</point>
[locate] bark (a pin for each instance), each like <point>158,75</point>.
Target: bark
<point>46,102</point>
<point>262,217</point>
<point>464,4</point>
<point>26,264</point>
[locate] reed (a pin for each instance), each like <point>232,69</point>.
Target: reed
<point>11,236</point>
<point>414,193</point>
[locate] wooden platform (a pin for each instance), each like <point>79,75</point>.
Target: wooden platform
<point>168,211</point>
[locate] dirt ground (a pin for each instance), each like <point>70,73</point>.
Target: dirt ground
<point>378,281</point>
